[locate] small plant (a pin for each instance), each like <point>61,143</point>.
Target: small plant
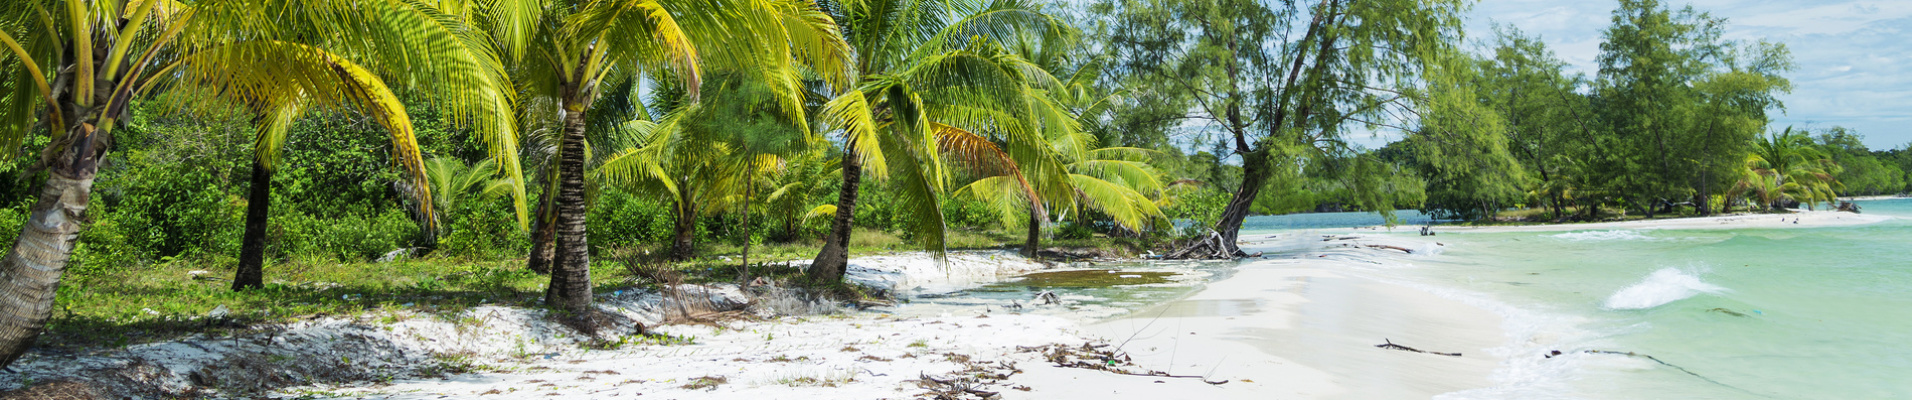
<point>831,379</point>
<point>919,343</point>
<point>707,382</point>
<point>784,358</point>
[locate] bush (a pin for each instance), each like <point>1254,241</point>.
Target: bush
<point>350,238</point>
<point>1073,230</point>
<point>484,229</point>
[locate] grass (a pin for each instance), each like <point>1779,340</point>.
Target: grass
<point>140,304</point>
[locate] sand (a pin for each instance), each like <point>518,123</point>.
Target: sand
<point>1294,327</point>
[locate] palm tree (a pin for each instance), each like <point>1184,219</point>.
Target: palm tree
<point>564,54</point>
<point>453,180</point>
<point>105,54</point>
<point>1790,167</point>
<point>928,68</point>
<point>1108,180</point>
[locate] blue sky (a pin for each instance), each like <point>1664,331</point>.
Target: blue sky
<point>1854,57</point>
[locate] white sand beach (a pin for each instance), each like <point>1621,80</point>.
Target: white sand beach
<point>1290,328</point>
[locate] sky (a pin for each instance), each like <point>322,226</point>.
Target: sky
<point>1854,59</point>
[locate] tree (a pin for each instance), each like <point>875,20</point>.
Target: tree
<point>1543,114</point>
<point>1270,93</point>
<point>926,68</point>
<point>1679,103</point>
<point>564,55</point>
<point>105,54</point>
<point>1461,148</point>
<point>1792,169</point>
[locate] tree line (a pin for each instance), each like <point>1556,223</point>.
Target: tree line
<point>1676,120</point>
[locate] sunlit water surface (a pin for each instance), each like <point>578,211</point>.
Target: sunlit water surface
<point>1810,313</point>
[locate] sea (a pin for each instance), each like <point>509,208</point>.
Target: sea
<point>1798,313</point>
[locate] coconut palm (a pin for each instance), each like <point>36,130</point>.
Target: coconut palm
<point>102,55</point>
<point>1791,168</point>
<point>928,68</point>
<point>1108,180</point>
<point>565,54</point>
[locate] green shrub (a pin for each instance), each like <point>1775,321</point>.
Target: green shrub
<point>349,238</point>
<point>484,229</point>
<point>1073,230</point>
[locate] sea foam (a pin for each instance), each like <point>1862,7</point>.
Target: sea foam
<point>1664,286</point>
<point>1589,236</point>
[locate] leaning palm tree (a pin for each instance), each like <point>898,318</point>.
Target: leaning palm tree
<point>562,54</point>
<point>103,55</point>
<point>928,68</point>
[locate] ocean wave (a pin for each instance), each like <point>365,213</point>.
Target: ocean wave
<point>1591,236</point>
<point>1666,285</point>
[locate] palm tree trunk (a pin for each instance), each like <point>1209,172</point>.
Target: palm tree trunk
<point>30,273</point>
<point>543,233</point>
<point>831,263</point>
<point>570,288</point>
<point>252,248</point>
<point>1035,234</point>
<point>685,235</point>
<point>744,272</point>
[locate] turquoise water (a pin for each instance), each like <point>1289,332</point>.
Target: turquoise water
<point>1810,313</point>
<point>1403,218</point>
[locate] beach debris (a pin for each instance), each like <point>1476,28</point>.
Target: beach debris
<point>1657,360</point>
<point>1101,357</point>
<point>1390,345</point>
<point>1047,297</point>
<point>707,382</point>
<point>972,382</point>
<point>1383,246</point>
<point>398,254</point>
<point>1727,312</point>
<point>1427,230</point>
<point>1847,206</point>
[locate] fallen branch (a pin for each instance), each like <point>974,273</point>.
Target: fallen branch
<point>1390,345</point>
<point>1093,357</point>
<point>1383,246</point>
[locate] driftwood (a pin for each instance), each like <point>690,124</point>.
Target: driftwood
<point>1095,357</point>
<point>1390,345</point>
<point>1392,247</point>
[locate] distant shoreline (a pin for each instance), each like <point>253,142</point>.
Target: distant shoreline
<point>1797,219</point>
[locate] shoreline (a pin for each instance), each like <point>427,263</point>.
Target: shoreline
<point>1798,219</point>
